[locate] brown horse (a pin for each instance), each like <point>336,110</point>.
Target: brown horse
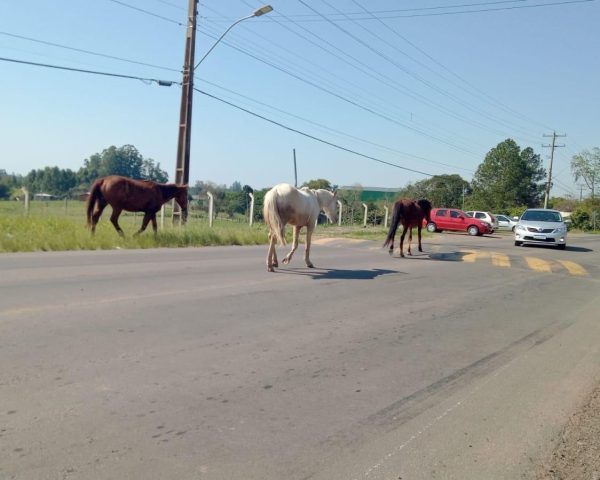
<point>123,193</point>
<point>410,214</point>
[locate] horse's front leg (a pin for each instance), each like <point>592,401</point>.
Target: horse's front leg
<point>419,235</point>
<point>114,218</point>
<point>309,230</point>
<point>288,257</point>
<point>147,217</point>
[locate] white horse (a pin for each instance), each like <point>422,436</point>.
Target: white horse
<point>285,204</point>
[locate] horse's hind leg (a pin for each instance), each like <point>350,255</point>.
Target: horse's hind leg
<point>271,255</point>
<point>288,257</point>
<point>309,230</point>
<point>391,250</point>
<point>114,218</point>
<point>402,242</point>
<point>100,206</point>
<point>409,240</point>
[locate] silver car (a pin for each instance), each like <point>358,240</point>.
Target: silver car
<point>504,222</point>
<point>541,226</point>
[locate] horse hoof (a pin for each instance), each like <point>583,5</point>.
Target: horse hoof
<point>391,252</point>
<point>310,265</point>
<point>402,255</point>
<point>285,261</point>
<point>270,269</point>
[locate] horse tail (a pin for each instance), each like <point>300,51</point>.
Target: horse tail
<point>396,215</point>
<point>95,194</point>
<point>272,218</point>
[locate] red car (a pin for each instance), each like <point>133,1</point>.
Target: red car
<point>455,219</point>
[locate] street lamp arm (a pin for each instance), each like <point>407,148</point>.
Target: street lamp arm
<point>219,39</point>
<point>257,13</point>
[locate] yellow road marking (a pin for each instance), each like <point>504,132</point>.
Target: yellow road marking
<point>538,264</point>
<point>574,268</point>
<point>472,256</point>
<point>500,260</point>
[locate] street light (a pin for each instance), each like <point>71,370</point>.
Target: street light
<point>257,13</point>
<point>182,167</point>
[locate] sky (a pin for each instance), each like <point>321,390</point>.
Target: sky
<point>380,93</point>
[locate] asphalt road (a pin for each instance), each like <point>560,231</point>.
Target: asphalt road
<point>462,362</point>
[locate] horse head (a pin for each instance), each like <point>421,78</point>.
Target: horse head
<point>426,208</point>
<point>328,202</point>
<point>181,197</point>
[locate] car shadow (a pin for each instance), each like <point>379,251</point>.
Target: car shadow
<point>568,248</point>
<point>337,274</point>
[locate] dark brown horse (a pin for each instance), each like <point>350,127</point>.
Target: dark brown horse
<point>410,214</point>
<point>123,193</point>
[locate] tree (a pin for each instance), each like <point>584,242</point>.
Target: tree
<point>586,166</point>
<point>318,183</point>
<point>125,160</point>
<point>9,183</point>
<point>508,177</point>
<point>440,190</point>
<point>153,172</point>
<point>52,180</point>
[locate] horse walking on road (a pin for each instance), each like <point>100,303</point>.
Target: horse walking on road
<point>285,204</point>
<point>123,193</point>
<point>411,214</point>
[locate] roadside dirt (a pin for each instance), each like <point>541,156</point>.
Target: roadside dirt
<point>577,454</point>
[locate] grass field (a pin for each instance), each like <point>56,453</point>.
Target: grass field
<point>60,225</point>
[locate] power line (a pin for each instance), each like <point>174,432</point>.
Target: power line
<point>482,10</point>
<point>434,87</point>
<point>162,83</point>
<point>331,144</point>
<point>89,52</point>
<point>333,130</point>
<point>483,94</point>
<point>147,12</point>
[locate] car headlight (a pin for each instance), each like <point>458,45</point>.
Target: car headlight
<point>561,229</point>
<point>520,227</point>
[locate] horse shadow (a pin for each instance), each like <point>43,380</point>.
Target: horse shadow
<point>338,274</point>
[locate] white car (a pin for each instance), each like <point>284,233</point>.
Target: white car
<point>504,222</point>
<point>486,217</point>
<point>541,226</point>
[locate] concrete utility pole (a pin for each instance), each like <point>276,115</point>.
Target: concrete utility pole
<point>549,183</point>
<point>295,170</point>
<point>182,167</point>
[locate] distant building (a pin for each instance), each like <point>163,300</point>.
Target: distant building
<point>44,196</point>
<point>374,194</point>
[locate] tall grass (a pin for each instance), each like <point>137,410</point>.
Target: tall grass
<point>59,225</point>
<point>51,226</point>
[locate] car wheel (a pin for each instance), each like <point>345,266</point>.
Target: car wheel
<point>431,227</point>
<point>473,230</point>
<point>512,229</point>
<point>518,244</point>
<point>562,246</point>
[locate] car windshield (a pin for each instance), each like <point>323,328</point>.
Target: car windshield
<point>541,216</point>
